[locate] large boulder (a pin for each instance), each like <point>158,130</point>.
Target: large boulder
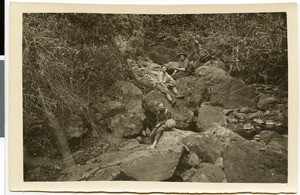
<point>232,93</point>
<point>133,161</point>
<point>152,99</point>
<point>209,173</point>
<point>173,138</point>
<point>155,165</point>
<point>130,122</point>
<point>194,89</point>
<point>105,174</point>
<point>180,113</point>
<point>212,75</point>
<point>78,172</point>
<point>209,145</point>
<point>124,92</point>
<point>208,116</point>
<point>206,148</point>
<point>255,162</point>
<point>126,125</point>
<point>104,167</point>
<point>265,102</point>
<point>223,135</point>
<point>145,75</point>
<point>107,109</point>
<point>183,117</point>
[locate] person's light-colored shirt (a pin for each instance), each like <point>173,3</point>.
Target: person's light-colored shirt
<point>164,77</point>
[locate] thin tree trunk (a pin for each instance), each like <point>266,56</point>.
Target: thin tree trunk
<point>68,159</point>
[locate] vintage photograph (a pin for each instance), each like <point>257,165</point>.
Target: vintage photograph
<point>155,97</point>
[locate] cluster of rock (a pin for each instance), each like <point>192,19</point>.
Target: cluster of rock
<point>120,110</point>
<point>270,114</point>
<point>214,155</point>
<point>226,131</point>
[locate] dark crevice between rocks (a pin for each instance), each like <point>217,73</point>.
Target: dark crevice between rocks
<point>193,127</point>
<point>181,167</point>
<point>123,177</point>
<point>132,136</point>
<point>150,119</point>
<point>196,112</point>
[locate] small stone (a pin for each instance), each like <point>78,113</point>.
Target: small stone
<point>193,160</point>
<point>265,102</point>
<point>258,135</point>
<point>187,175</point>
<point>244,110</point>
<point>262,149</point>
<point>227,111</point>
<point>267,135</point>
<point>241,115</point>
<point>219,162</point>
<point>266,113</point>
<point>232,120</point>
<point>253,110</point>
<point>258,121</point>
<point>256,114</point>
<point>263,96</point>
<point>248,126</point>
<point>270,124</point>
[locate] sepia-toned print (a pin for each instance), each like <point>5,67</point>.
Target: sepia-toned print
<point>185,97</point>
<point>153,99</point>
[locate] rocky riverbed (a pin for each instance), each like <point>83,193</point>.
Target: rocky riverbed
<point>227,131</point>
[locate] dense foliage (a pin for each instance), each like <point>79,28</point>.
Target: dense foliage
<point>68,57</point>
<point>253,45</point>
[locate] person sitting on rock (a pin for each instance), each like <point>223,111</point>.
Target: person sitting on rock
<point>164,123</point>
<point>184,68</point>
<point>165,81</point>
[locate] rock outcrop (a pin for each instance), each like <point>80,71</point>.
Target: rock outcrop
<point>133,161</point>
<point>265,102</point>
<point>212,75</point>
<point>156,165</point>
<point>121,108</point>
<point>194,89</point>
<point>209,173</point>
<point>224,115</point>
<point>256,162</point>
<point>232,93</point>
<point>126,125</point>
<point>209,116</point>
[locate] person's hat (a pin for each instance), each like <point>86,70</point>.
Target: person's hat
<point>184,54</point>
<point>170,123</point>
